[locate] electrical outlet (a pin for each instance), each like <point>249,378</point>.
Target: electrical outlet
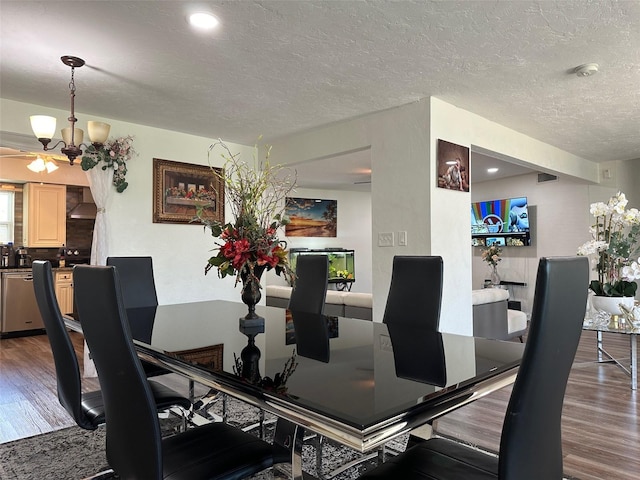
<point>402,239</point>
<point>385,239</point>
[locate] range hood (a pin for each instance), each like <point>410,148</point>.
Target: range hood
<point>86,209</point>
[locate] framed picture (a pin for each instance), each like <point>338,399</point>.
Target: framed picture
<point>175,197</point>
<point>311,217</point>
<point>453,166</point>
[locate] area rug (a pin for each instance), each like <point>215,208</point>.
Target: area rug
<point>74,454</point>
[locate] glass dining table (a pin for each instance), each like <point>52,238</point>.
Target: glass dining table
<point>357,382</point>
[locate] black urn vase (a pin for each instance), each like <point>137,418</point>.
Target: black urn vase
<point>251,295</point>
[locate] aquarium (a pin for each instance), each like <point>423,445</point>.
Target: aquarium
<point>341,262</point>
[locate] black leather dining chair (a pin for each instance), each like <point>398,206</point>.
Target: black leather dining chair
<point>310,290</point>
<point>136,278</point>
<point>415,293</point>
<point>87,409</point>
<point>139,290</point>
<point>531,441</point>
<point>135,448</point>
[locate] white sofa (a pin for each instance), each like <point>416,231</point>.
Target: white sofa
<point>491,316</point>
<point>339,304</point>
<point>493,319</point>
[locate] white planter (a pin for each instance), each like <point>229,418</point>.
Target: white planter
<point>611,304</point>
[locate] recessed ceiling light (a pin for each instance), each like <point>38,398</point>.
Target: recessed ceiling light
<point>492,170</point>
<point>203,21</point>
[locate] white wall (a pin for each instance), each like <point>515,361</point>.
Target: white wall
<point>179,252</point>
<point>559,221</point>
<point>354,232</point>
<point>403,144</point>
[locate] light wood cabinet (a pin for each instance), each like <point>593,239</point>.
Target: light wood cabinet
<point>64,291</point>
<point>45,215</point>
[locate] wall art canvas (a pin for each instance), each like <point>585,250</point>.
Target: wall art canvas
<point>453,166</point>
<point>311,218</point>
<point>179,188</point>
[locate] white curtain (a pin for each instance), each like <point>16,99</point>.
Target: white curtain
<point>101,188</point>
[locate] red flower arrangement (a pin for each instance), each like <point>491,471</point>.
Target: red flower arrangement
<point>250,244</point>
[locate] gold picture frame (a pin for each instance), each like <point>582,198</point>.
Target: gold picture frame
<point>179,188</point>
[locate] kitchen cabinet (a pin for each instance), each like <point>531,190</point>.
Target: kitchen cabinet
<point>45,215</point>
<point>64,291</point>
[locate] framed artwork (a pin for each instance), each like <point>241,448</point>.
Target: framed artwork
<point>453,166</point>
<point>176,197</point>
<point>311,218</point>
<point>209,357</point>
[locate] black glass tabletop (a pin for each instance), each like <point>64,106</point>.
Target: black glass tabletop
<point>357,372</point>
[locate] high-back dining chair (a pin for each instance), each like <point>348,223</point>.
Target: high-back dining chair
<point>139,290</point>
<point>135,449</point>
<point>531,442</point>
<point>310,290</point>
<point>136,277</point>
<point>415,293</point>
<point>87,409</point>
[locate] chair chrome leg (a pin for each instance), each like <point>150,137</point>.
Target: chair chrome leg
<point>104,475</point>
<point>262,425</point>
<point>192,395</point>
<point>318,442</point>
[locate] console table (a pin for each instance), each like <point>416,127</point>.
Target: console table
<point>622,328</point>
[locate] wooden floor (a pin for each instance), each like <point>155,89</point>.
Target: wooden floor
<point>601,431</point>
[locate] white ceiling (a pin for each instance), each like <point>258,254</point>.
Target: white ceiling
<point>276,67</point>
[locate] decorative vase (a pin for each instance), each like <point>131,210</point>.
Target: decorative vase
<point>251,288</point>
<point>610,305</point>
<point>495,278</point>
<point>250,356</point>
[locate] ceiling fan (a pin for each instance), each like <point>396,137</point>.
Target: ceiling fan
<point>39,162</point>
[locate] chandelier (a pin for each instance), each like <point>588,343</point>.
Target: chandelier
<point>44,126</point>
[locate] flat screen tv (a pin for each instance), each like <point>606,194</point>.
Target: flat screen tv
<point>500,222</point>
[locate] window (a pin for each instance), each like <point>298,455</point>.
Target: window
<point>6,217</point>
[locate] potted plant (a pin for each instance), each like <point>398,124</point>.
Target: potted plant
<point>613,246</point>
<point>491,255</point>
<point>249,244</point>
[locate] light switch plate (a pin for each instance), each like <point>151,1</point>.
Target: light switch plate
<point>402,239</point>
<point>385,239</point>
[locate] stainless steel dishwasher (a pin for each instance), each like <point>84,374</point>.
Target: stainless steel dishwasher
<point>20,311</point>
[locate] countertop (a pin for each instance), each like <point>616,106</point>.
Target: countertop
<point>28,269</point>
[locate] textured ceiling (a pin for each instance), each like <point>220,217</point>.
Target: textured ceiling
<point>277,67</point>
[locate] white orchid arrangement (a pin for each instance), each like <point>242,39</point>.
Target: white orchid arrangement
<point>614,244</point>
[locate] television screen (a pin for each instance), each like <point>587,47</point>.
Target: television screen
<point>500,222</point>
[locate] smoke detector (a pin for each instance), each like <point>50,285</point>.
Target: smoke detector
<point>586,70</point>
